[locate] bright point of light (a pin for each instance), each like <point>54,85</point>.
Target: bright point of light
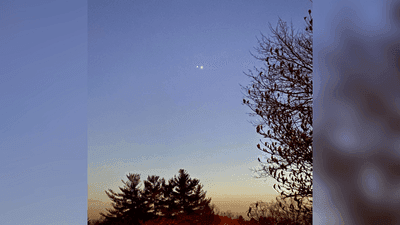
<point>201,67</point>
<point>197,66</point>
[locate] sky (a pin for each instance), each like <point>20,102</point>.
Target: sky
<point>43,108</point>
<point>164,93</point>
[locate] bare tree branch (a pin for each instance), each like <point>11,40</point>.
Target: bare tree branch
<point>280,96</point>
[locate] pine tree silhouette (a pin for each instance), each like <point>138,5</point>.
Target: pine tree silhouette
<point>129,206</point>
<point>190,198</point>
<point>168,206</point>
<point>153,196</point>
<point>180,201</point>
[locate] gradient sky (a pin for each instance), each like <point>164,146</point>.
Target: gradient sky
<point>43,102</point>
<point>153,110</point>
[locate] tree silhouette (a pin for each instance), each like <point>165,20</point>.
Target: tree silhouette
<point>181,200</point>
<point>129,206</point>
<point>153,196</point>
<point>280,96</point>
<point>190,199</point>
<point>169,208</point>
<point>277,212</point>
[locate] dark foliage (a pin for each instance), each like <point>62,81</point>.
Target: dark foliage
<point>190,198</point>
<point>153,196</point>
<point>128,206</point>
<point>180,201</point>
<point>277,213</point>
<point>280,96</point>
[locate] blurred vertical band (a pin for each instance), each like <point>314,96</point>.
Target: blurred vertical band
<point>357,112</point>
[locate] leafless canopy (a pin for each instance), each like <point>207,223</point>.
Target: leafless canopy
<point>280,96</point>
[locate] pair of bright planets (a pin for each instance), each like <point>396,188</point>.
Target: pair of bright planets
<point>201,67</point>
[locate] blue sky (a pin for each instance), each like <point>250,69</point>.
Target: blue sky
<point>43,107</point>
<point>164,94</point>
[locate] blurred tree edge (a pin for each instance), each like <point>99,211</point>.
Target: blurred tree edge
<point>180,201</point>
<point>280,97</point>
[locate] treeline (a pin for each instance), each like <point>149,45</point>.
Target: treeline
<point>181,200</point>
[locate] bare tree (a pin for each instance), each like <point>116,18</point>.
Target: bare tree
<point>280,96</point>
<point>273,212</point>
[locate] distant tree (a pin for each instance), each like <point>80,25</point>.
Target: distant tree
<point>190,199</point>
<point>129,206</point>
<point>169,207</point>
<point>281,96</point>
<point>181,200</point>
<point>277,212</point>
<point>241,220</point>
<point>153,196</point>
<point>229,214</point>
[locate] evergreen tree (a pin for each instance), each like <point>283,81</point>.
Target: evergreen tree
<point>181,200</point>
<point>169,208</point>
<point>189,195</point>
<point>129,206</point>
<point>153,196</point>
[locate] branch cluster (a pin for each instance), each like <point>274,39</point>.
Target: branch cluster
<point>278,212</point>
<point>280,96</point>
